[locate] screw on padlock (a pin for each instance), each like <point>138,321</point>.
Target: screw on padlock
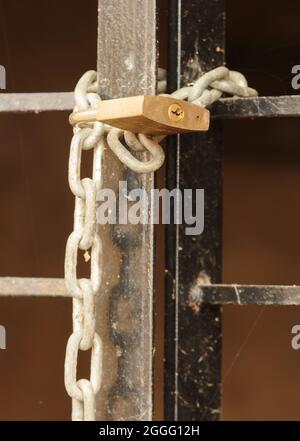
<point>151,115</point>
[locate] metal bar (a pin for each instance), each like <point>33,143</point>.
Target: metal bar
<point>36,102</point>
<point>225,108</point>
<point>31,286</point>
<point>279,295</point>
<point>260,107</point>
<point>126,67</point>
<point>193,339</point>
<point>244,295</point>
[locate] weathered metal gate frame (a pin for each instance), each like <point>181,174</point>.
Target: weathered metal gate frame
<point>193,319</point>
<point>193,332</point>
<point>127,58</point>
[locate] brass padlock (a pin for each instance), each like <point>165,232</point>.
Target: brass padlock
<point>151,115</point>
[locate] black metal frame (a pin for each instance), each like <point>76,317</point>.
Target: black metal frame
<point>192,358</point>
<point>194,294</point>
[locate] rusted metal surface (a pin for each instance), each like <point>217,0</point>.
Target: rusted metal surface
<point>127,48</point>
<point>193,338</point>
<point>36,102</point>
<point>126,67</point>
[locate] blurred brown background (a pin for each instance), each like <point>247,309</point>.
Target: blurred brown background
<point>46,46</point>
<point>261,217</point>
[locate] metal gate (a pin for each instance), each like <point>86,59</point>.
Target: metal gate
<point>193,294</point>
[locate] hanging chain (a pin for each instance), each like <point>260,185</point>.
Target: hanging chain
<point>84,238</point>
<point>93,136</point>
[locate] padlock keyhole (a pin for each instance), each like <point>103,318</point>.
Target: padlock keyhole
<point>176,112</point>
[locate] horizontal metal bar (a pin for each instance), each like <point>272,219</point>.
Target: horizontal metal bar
<point>225,108</point>
<point>216,294</point>
<point>244,295</point>
<point>36,102</point>
<point>257,107</point>
<point>31,286</point>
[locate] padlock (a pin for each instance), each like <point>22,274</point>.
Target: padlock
<point>151,115</point>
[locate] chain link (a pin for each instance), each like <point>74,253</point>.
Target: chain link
<point>84,237</point>
<point>212,85</point>
<point>205,91</point>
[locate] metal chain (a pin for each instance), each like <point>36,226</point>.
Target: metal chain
<point>93,136</point>
<point>212,85</point>
<point>84,237</point>
<point>205,91</point>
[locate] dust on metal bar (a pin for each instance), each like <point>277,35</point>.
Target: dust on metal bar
<point>257,107</point>
<point>32,286</point>
<point>126,67</point>
<point>216,294</point>
<point>225,108</point>
<point>219,294</point>
<point>36,102</point>
<point>192,389</point>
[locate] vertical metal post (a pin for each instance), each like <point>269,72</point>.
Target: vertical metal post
<point>126,67</point>
<point>193,333</point>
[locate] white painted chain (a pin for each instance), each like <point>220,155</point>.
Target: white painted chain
<point>93,136</point>
<point>84,238</point>
<point>205,91</point>
<point>212,85</point>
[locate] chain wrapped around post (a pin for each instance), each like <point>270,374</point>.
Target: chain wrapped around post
<point>90,134</point>
<point>84,238</point>
<point>207,89</point>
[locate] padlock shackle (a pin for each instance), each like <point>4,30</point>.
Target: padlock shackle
<point>85,116</point>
